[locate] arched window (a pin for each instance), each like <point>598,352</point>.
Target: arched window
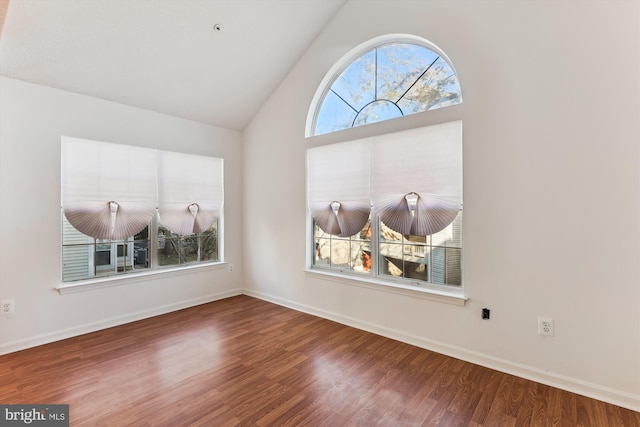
<point>386,78</point>
<point>388,206</point>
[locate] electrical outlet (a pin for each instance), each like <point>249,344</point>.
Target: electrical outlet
<point>7,306</point>
<point>545,326</point>
<point>230,268</point>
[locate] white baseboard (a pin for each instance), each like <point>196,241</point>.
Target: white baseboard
<point>595,391</point>
<point>111,322</point>
<point>574,385</point>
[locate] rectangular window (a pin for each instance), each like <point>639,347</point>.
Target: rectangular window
<point>130,209</point>
<point>433,259</point>
<point>409,184</point>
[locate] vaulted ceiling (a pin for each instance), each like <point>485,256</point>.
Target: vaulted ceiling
<point>163,55</point>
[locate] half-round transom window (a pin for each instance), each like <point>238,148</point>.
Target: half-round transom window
<point>390,80</point>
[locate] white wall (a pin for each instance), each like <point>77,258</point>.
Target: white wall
<point>551,155</point>
<point>32,119</point>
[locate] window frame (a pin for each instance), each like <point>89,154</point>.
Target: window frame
<point>154,270</point>
<point>346,60</point>
<point>374,276</point>
<point>78,258</point>
<point>373,279</point>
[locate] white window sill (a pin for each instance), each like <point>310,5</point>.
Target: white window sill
<point>125,279</point>
<point>449,296</point>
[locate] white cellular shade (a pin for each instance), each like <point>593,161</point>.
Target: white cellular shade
<point>190,191</point>
<point>108,190</point>
<point>339,173</point>
<point>426,162</point>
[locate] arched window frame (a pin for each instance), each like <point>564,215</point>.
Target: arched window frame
<point>353,55</point>
<point>373,275</point>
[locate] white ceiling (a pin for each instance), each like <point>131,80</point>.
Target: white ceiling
<point>163,55</point>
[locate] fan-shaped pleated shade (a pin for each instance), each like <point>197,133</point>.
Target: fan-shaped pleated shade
<point>338,186</point>
<point>427,162</point>
<point>190,192</point>
<point>108,190</point>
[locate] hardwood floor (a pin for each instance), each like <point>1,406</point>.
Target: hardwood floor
<point>243,361</point>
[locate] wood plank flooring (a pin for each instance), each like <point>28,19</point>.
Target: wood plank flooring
<point>246,362</point>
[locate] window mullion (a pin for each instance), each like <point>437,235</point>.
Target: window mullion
<point>153,243</point>
<point>374,243</point>
<point>430,265</point>
<point>199,242</point>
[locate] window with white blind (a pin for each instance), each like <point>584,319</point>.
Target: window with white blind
<point>387,207</point>
<point>130,209</point>
<point>390,206</point>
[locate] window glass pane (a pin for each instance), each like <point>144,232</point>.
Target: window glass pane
<point>390,261</point>
<point>209,244</point>
<point>125,257</point>
<point>174,249</point>
<point>364,258</point>
<point>405,261</point>
<point>361,249</point>
<point>71,236</point>
<point>170,252</point>
<point>377,111</point>
<point>416,269</point>
<point>323,252</point>
<point>365,234</point>
<point>103,257</point>
<point>399,66</point>
<point>103,245</point>
<point>409,239</point>
<point>453,257</point>
<point>334,115</point>
<point>356,84</point>
<point>388,81</point>
<point>360,256</point>
<point>190,249</point>
<point>451,236</point>
<point>388,235</point>
<point>415,252</point>
<point>340,253</point>
<point>141,249</point>
<point>343,253</point>
<point>446,266</point>
<point>84,257</point>
<point>438,265</point>
<point>77,262</point>
<point>435,259</point>
<point>437,88</point>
